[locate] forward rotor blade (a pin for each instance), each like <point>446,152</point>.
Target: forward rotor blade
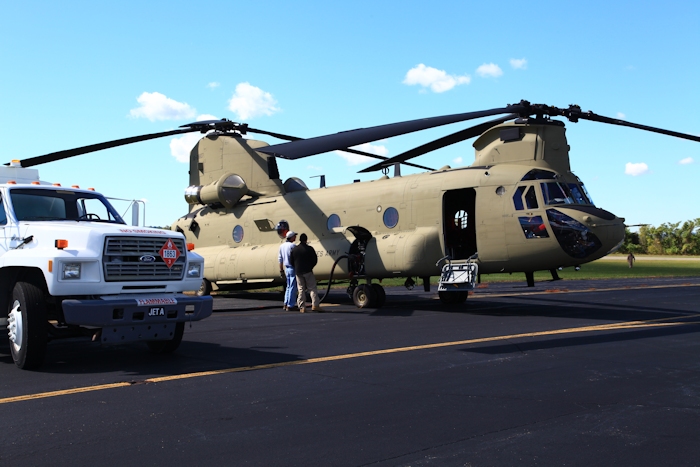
<point>448,140</point>
<point>346,139</point>
<point>353,151</point>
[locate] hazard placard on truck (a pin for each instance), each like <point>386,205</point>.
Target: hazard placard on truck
<point>71,267</point>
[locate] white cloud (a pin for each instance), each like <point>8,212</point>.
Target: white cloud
<point>437,80</point>
<point>213,85</point>
<point>249,102</point>
<point>457,160</point>
<point>156,106</point>
<point>181,147</point>
<point>518,63</point>
<point>635,169</point>
<point>356,159</point>
<point>621,116</point>
<point>489,70</point>
<point>687,160</point>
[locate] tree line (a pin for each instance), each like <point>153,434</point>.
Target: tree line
<point>666,239</point>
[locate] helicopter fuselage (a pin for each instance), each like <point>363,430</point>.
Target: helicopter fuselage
<point>518,206</point>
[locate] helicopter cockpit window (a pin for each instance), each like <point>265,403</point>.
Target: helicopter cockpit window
<point>533,227</point>
<point>333,222</point>
<point>556,193</point>
<point>518,198</point>
<point>391,217</point>
<point>531,198</point>
<point>578,194</point>
<point>238,234</point>
<point>539,174</point>
<point>282,228</point>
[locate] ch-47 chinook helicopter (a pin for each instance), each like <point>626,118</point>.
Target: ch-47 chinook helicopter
<point>517,208</point>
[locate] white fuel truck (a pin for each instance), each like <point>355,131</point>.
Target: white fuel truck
<point>70,266</point>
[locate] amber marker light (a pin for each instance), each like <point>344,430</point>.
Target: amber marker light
<point>61,244</point>
<point>50,266</point>
<point>56,184</point>
<point>11,182</point>
<point>36,183</point>
<point>190,246</point>
<point>75,186</point>
<point>91,189</point>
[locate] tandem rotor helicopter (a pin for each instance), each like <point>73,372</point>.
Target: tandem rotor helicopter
<point>517,208</point>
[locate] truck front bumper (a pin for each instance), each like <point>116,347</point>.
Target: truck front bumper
<point>133,317</point>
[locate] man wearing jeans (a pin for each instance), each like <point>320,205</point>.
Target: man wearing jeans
<point>287,271</point>
<point>304,259</point>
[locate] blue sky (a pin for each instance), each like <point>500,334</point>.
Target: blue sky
<point>78,73</point>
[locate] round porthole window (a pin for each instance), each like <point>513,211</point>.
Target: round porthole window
<point>333,221</point>
<point>238,234</point>
<point>391,217</point>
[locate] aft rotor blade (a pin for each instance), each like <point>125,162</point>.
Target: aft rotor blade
<point>614,121</point>
<point>202,126</point>
<point>57,156</point>
<point>354,151</point>
<point>346,139</point>
<point>448,140</point>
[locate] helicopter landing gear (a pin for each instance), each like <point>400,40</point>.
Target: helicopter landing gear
<point>453,298</point>
<point>363,296</point>
<point>368,296</point>
<point>380,295</point>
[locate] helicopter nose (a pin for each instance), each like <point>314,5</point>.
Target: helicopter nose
<point>586,232</point>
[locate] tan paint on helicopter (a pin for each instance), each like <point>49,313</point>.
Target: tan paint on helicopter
<point>412,247</point>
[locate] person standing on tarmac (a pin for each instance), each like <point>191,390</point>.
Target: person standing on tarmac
<point>304,258</point>
<point>287,271</point>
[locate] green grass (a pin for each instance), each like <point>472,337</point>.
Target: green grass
<point>602,269</point>
<point>607,269</point>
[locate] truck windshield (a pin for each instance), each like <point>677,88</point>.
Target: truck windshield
<point>60,205</point>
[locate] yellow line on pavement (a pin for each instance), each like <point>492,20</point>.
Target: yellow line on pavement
<point>601,327</point>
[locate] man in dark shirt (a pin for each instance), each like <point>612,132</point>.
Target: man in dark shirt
<point>303,258</point>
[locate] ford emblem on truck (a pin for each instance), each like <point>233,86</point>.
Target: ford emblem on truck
<point>147,259</point>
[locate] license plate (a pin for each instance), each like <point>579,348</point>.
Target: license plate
<point>156,311</point>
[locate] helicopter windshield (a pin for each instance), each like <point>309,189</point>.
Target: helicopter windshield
<point>556,193</point>
<point>61,205</point>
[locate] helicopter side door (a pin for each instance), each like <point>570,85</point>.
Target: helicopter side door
<point>459,222</point>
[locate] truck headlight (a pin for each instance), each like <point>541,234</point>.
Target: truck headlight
<point>194,270</point>
<point>70,271</point>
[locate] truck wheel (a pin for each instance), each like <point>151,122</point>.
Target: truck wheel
<point>171,345</point>
<point>27,326</point>
<point>204,289</point>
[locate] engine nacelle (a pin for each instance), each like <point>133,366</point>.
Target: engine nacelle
<point>228,190</point>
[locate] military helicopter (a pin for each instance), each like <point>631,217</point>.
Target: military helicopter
<point>517,208</point>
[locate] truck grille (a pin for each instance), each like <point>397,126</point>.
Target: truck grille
<point>138,259</point>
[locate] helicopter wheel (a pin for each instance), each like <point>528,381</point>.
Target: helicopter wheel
<point>380,295</point>
<point>364,296</point>
<point>453,298</point>
<point>204,289</point>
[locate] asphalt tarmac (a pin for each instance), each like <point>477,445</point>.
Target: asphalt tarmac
<point>565,373</point>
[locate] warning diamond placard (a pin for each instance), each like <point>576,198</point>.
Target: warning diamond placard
<point>169,253</point>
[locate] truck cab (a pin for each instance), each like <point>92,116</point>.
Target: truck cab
<point>70,267</point>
